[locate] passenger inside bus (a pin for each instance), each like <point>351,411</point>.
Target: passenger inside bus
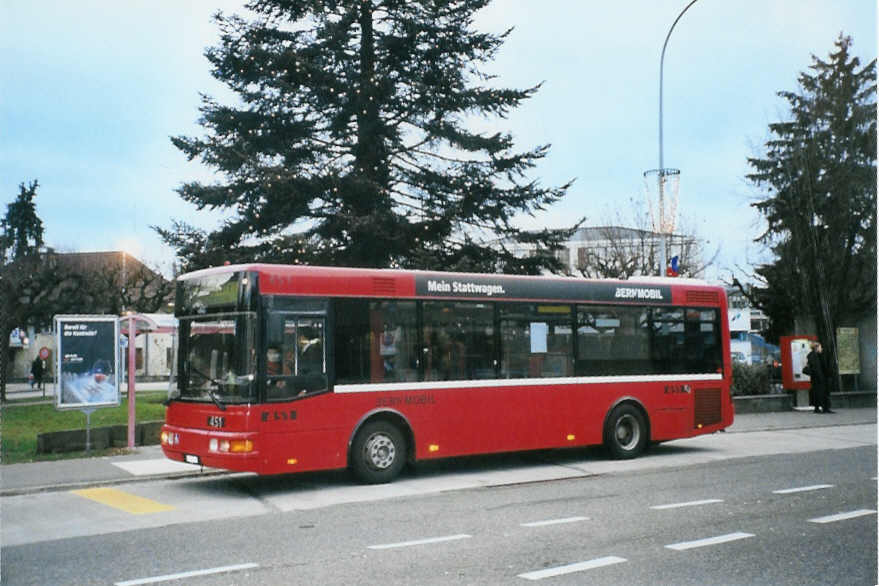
<point>311,357</point>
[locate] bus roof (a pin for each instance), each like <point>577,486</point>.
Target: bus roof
<point>277,279</point>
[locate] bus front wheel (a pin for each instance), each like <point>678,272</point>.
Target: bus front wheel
<point>625,432</point>
<point>378,453</point>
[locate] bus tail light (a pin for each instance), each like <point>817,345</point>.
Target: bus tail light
<point>169,438</point>
<point>234,446</point>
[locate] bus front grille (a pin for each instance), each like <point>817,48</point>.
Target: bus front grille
<point>707,407</point>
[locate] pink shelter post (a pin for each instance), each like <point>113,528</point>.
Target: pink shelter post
<point>132,413</point>
<point>147,324</point>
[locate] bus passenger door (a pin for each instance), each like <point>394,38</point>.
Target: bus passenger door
<point>296,360</point>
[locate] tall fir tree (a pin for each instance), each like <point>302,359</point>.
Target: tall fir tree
<point>32,286</point>
<point>350,144</point>
<point>21,230</point>
<point>819,176</point>
<point>21,236</point>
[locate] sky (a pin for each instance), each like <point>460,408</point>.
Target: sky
<point>91,92</point>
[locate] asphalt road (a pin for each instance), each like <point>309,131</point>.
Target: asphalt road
<point>771,519</point>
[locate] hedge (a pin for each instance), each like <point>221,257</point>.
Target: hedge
<point>752,379</point>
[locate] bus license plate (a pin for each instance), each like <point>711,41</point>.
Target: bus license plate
<point>216,421</point>
<point>190,459</point>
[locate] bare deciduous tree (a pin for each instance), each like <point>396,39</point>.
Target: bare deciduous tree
<point>620,252</point>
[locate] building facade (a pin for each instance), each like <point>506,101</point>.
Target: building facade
<point>619,252</point>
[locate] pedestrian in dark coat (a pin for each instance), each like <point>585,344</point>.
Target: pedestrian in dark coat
<point>37,370</point>
<point>819,393</point>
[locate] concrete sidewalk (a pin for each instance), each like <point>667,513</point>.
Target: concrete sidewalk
<point>148,462</point>
<point>19,391</point>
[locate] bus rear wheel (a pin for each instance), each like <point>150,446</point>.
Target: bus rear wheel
<point>378,453</point>
<point>625,432</point>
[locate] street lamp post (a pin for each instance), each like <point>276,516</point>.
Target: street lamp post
<point>661,174</point>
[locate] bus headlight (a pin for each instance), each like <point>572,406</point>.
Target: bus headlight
<point>234,446</point>
<point>169,438</point>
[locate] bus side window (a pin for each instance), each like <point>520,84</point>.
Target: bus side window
<point>295,356</point>
<point>375,341</point>
<point>458,340</point>
<point>537,340</point>
<point>612,340</point>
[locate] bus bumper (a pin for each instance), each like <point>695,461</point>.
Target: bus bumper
<point>211,449</point>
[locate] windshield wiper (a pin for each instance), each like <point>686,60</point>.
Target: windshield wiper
<point>220,405</point>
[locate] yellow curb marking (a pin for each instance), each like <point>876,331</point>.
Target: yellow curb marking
<point>123,501</point>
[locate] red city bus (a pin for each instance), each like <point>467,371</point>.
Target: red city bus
<point>292,368</point>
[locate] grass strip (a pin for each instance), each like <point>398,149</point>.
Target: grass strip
<point>20,425</point>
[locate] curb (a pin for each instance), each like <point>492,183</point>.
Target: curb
<point>791,427</point>
<point>60,487</point>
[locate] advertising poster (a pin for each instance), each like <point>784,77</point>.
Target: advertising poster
<point>539,335</point>
<point>794,350</point>
<point>799,350</point>
<point>88,361</point>
<point>848,349</point>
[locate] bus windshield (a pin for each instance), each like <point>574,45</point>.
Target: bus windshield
<point>218,361</point>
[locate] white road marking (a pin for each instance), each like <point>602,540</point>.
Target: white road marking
<point>802,489</point>
<point>687,504</point>
<point>572,568</point>
<point>554,522</point>
<point>184,575</point>
<point>709,541</point>
<point>420,541</point>
<point>155,466</point>
<point>843,516</point>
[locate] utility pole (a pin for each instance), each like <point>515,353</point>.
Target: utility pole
<point>662,173</point>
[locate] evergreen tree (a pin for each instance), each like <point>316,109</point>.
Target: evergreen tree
<point>350,143</point>
<point>22,229</point>
<point>21,236</point>
<point>32,286</point>
<point>819,176</point>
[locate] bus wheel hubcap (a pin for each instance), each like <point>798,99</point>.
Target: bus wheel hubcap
<point>380,451</point>
<point>628,432</point>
